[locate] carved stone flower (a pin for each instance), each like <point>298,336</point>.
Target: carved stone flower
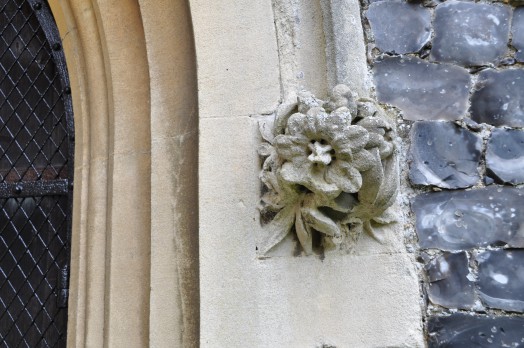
<point>330,170</point>
<point>324,152</point>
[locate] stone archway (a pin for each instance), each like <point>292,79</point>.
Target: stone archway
<point>134,277</point>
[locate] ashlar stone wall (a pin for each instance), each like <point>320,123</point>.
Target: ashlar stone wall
<point>454,70</point>
<point>255,58</point>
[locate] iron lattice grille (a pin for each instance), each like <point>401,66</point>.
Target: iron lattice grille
<point>30,282</point>
<point>36,158</point>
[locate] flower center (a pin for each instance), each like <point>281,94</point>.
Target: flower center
<point>320,152</point>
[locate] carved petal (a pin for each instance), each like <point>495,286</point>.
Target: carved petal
<point>265,149</point>
<point>318,184</point>
<point>295,174</point>
<point>283,113</point>
<point>295,124</point>
<point>273,199</point>
<point>303,234</point>
<point>267,175</point>
<point>269,179</point>
<point>342,96</point>
<point>320,222</point>
<point>266,130</point>
<point>371,123</point>
<point>335,124</point>
<point>352,140</point>
<point>367,108</point>
<point>345,176</point>
<point>291,146</point>
<point>314,119</point>
<point>307,101</point>
<point>363,160</point>
<point>343,114</point>
<point>385,147</point>
<point>279,228</point>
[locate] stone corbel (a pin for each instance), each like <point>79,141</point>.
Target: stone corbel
<point>330,169</point>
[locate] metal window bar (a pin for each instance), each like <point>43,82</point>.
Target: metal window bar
<point>36,177</point>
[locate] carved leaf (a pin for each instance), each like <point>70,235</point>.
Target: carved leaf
<point>279,228</point>
<point>265,149</point>
<point>371,123</point>
<point>371,181</point>
<point>389,187</point>
<point>268,175</point>
<point>284,111</point>
<point>373,232</point>
<point>387,217</point>
<point>343,203</point>
<point>273,199</point>
<point>320,222</point>
<point>266,130</point>
<point>303,234</point>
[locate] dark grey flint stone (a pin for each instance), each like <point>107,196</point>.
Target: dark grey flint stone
<point>468,331</point>
<point>517,31</point>
<point>501,279</point>
<point>498,99</point>
<point>399,27</point>
<point>470,33</point>
<point>505,156</point>
<point>458,220</point>
<point>424,91</point>
<point>449,286</point>
<point>444,155</point>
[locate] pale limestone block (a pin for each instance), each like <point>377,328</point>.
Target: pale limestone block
<point>174,237</point>
<point>237,58</point>
<point>312,72</point>
<point>301,47</point>
<point>345,45</point>
<point>128,251</point>
<point>174,305</point>
<point>367,299</point>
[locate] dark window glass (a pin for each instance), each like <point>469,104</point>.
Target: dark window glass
<point>36,156</point>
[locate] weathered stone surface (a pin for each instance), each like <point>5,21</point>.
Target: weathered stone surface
<point>444,155</point>
<point>424,91</point>
<point>399,27</point>
<point>505,155</point>
<point>449,285</point>
<point>517,32</point>
<point>501,279</point>
<point>469,33</point>
<point>464,331</point>
<point>460,220</point>
<point>230,57</point>
<point>498,99</point>
<point>277,302</point>
<point>345,46</point>
<point>327,167</point>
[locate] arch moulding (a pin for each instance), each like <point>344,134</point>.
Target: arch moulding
<point>134,263</point>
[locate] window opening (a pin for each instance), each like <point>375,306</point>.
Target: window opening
<point>36,177</point>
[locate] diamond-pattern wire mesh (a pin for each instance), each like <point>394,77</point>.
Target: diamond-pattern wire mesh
<point>34,147</point>
<point>30,281</point>
<point>33,136</point>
